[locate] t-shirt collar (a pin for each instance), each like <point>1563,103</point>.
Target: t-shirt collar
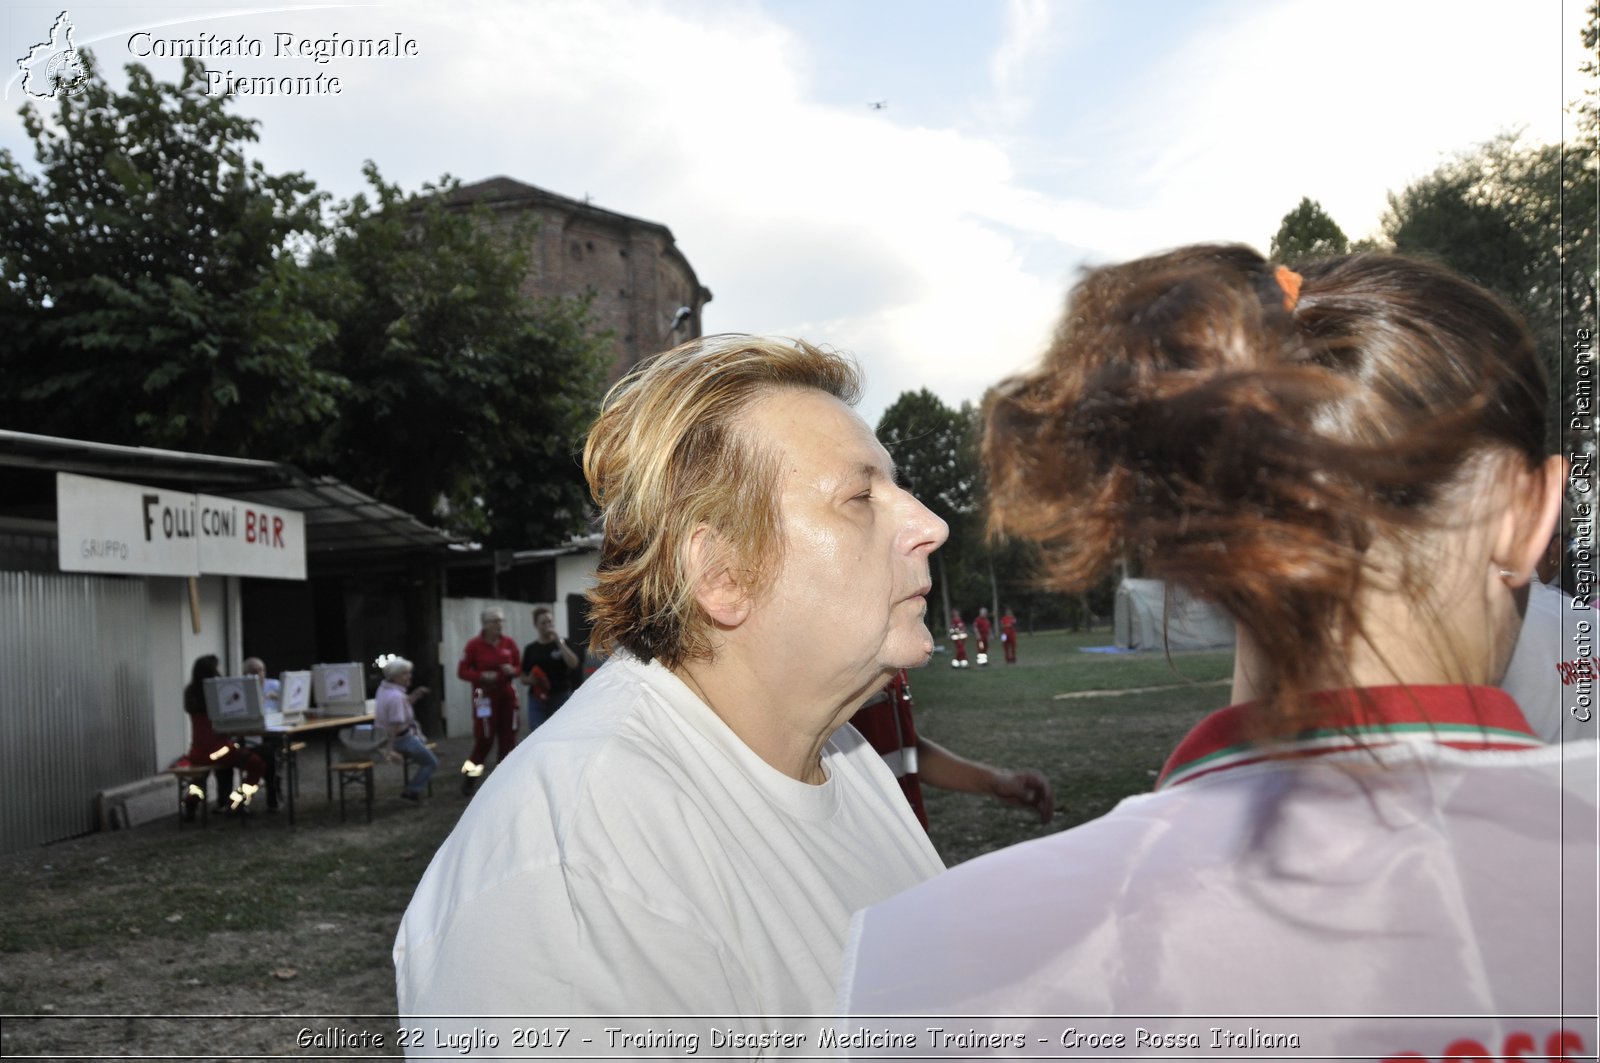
<point>1461,717</point>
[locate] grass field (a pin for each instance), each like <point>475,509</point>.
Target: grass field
<point>268,920</point>
<point>1096,748</point>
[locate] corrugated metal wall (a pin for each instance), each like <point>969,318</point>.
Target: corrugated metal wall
<point>75,712</point>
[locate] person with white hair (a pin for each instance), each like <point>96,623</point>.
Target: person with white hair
<point>393,711</point>
<point>490,662</point>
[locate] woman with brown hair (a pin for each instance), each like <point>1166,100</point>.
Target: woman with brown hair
<point>207,747</point>
<point>1350,460</point>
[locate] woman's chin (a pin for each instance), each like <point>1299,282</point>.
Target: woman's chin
<point>918,650</point>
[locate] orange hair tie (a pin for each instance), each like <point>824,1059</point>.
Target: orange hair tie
<point>1289,281</point>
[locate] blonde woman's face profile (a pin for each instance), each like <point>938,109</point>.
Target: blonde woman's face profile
<point>851,592</point>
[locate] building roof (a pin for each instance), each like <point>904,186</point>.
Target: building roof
<point>339,518</point>
<point>505,191</point>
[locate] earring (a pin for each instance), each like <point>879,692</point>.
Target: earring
<point>1507,574</point>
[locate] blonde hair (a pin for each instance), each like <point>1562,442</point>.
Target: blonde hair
<point>669,454</point>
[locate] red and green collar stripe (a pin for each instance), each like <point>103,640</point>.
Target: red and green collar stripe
<point>1462,717</point>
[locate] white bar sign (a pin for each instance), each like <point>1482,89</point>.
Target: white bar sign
<point>108,526</point>
<point>248,539</point>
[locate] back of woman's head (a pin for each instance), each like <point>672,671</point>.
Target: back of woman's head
<point>1249,433</point>
<point>194,695</point>
<point>205,667</point>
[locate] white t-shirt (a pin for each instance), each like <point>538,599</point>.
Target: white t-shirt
<point>1407,879</point>
<point>1548,676</point>
<point>634,856</point>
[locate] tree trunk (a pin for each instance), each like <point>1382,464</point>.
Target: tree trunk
<point>944,592</point>
<point>994,592</point>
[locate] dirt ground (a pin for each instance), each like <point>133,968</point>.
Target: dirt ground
<point>242,942</point>
<point>232,941</point>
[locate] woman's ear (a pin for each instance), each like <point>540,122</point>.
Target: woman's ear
<point>723,597</point>
<point>1530,518</point>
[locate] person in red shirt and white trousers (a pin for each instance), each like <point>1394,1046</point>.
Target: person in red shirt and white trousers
<point>958,639</point>
<point>490,663</point>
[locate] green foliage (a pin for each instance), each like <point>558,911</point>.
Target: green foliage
<point>1485,213</point>
<point>1308,232</point>
<point>936,449</point>
<point>1589,106</point>
<point>1522,222</point>
<point>932,446</point>
<point>157,287</point>
<point>146,291</point>
<point>467,401</point>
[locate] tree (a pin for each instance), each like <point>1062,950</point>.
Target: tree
<point>158,287</point>
<point>1308,232</point>
<point>932,447</point>
<point>1485,213</point>
<point>936,450</point>
<point>1588,107</point>
<point>147,289</point>
<point>467,402</point>
<point>1521,222</point>
<point>929,443</point>
<point>1580,208</point>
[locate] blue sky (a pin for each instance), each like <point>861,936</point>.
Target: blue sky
<point>934,238</point>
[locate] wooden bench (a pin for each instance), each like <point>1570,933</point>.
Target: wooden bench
<point>405,770</point>
<point>352,773</point>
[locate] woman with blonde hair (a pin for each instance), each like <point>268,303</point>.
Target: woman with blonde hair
<point>1350,460</point>
<point>691,833</point>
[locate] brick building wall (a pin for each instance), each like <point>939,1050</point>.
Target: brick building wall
<point>640,280</point>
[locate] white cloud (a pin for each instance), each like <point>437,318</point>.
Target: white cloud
<point>804,219</point>
<point>1294,99</point>
<point>1023,42</point>
<point>918,247</point>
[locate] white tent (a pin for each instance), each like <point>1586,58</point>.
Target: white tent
<point>1151,615</point>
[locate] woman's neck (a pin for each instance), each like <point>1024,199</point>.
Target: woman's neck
<point>1403,644</point>
<point>787,731</point>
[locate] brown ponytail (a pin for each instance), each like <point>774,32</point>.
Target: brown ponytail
<point>1250,446</point>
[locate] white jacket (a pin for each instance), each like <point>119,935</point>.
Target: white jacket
<point>1415,876</point>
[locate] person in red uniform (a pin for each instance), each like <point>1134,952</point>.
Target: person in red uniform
<point>887,723</point>
<point>207,747</point>
<point>958,638</point>
<point>490,662</point>
<point>982,628</point>
<point>1008,636</point>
